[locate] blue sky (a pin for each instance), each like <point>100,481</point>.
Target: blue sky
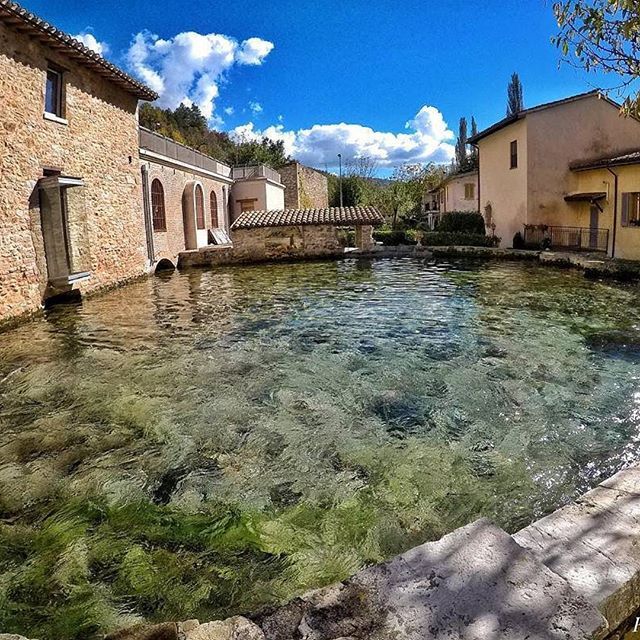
<point>308,67</point>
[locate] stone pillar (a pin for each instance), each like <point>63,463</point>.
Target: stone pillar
<point>364,237</point>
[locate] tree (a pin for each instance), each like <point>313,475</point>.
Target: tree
<point>602,35</point>
<point>515,101</point>
<point>188,126</point>
<point>473,158</point>
<point>461,146</point>
<point>401,197</point>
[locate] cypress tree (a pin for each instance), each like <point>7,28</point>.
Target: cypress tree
<point>515,100</point>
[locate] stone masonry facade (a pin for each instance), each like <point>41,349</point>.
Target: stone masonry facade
<point>99,143</point>
<point>305,188</point>
<point>270,243</point>
<point>168,244</point>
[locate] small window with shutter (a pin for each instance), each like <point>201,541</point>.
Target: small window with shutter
<point>630,209</point>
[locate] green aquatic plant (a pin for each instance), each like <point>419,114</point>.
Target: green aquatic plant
<point>226,440</point>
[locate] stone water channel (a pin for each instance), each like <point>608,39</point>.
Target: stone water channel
<point>209,443</point>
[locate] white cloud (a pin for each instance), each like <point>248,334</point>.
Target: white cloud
<point>255,107</point>
<point>91,42</point>
<point>190,66</point>
<point>254,51</point>
<point>229,111</point>
<point>427,140</point>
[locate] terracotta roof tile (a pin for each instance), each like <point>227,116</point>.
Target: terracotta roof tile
<point>338,216</point>
<point>16,16</point>
<point>632,157</point>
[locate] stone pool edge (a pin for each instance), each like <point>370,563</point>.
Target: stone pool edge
<point>574,574</point>
<point>593,265</point>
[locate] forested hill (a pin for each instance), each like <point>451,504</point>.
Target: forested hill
<point>188,126</point>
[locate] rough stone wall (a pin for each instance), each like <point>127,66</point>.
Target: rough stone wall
<point>305,187</point>
<point>168,244</point>
<point>99,144</point>
<point>271,243</point>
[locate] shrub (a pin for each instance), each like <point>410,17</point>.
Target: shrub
<point>390,237</point>
<point>444,239</point>
<point>462,222</point>
<point>518,241</point>
<point>346,237</point>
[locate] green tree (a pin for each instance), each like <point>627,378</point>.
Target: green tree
<point>515,100</point>
<point>602,35</point>
<point>188,126</point>
<point>401,198</point>
<point>473,157</point>
<point>461,146</point>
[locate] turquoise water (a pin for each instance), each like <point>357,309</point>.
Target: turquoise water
<point>207,442</point>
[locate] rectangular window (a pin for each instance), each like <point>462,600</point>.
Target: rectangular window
<point>631,209</point>
<point>53,93</point>
<point>469,191</point>
<point>514,154</point>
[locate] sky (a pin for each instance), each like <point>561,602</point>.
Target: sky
<point>378,78</point>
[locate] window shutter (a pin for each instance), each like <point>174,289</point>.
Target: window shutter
<point>625,209</point>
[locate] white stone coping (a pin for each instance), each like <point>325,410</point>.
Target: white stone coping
<point>157,158</point>
<point>54,118</point>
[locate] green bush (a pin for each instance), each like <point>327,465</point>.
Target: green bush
<point>462,222</point>
<point>445,239</point>
<point>346,237</point>
<point>390,237</point>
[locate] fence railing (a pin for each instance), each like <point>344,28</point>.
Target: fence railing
<point>573,238</point>
<point>255,171</point>
<point>176,151</point>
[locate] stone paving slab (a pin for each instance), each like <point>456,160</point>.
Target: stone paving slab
<point>474,584</point>
<point>594,544</point>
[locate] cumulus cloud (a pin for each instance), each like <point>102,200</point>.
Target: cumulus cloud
<point>91,42</point>
<point>229,111</point>
<point>190,67</point>
<point>427,140</point>
<point>255,107</point>
<point>254,51</point>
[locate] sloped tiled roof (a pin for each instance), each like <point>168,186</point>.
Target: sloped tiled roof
<point>16,17</point>
<point>631,157</point>
<point>338,216</point>
<point>501,124</point>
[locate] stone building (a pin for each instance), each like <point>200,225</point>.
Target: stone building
<point>70,187</point>
<point>186,197</point>
<point>306,188</point>
<point>291,233</point>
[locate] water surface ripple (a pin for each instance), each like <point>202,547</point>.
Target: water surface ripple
<point>203,443</point>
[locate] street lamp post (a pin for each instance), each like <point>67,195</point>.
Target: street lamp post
<point>340,173</point>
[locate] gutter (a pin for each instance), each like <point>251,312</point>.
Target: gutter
<point>615,211</point>
<point>477,148</point>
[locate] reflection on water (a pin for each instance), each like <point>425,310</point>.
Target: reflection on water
<point>202,443</point>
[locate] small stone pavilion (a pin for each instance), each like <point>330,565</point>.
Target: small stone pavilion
<point>291,233</point>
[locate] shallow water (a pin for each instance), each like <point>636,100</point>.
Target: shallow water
<point>203,443</point>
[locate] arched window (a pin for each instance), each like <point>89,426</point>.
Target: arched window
<point>213,203</point>
<point>200,223</point>
<point>157,206</point>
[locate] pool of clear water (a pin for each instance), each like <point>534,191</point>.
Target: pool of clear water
<point>204,443</point>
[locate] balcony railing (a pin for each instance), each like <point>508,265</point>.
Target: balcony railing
<point>170,149</point>
<point>572,238</point>
<point>255,171</point>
